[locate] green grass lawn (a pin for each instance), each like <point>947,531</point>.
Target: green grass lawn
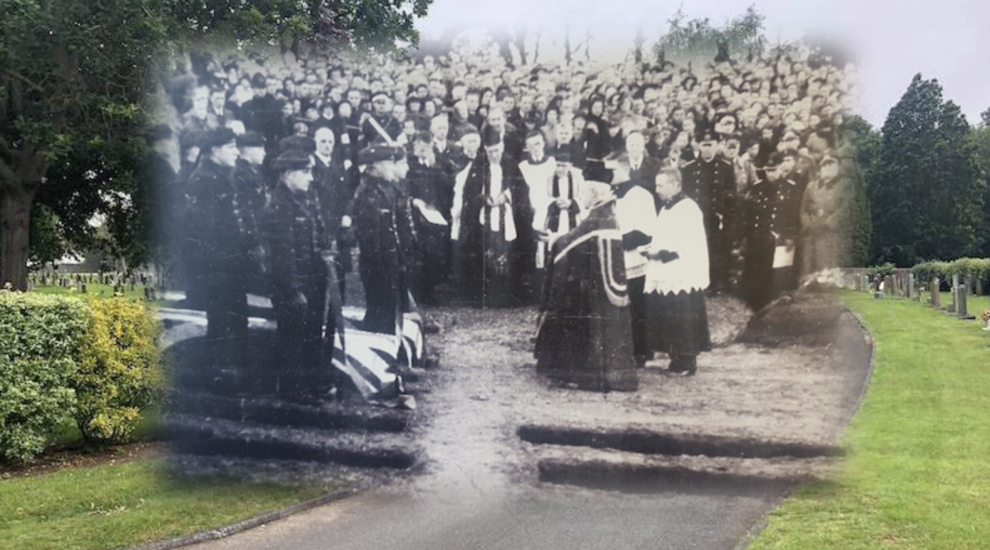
<point>92,289</point>
<point>149,427</point>
<point>917,470</point>
<point>121,505</point>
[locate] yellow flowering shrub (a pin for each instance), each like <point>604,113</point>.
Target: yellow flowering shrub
<point>120,369</point>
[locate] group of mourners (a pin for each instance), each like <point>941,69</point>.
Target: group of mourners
<point>615,197</point>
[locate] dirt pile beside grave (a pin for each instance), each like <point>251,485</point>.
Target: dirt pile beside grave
<point>804,318</point>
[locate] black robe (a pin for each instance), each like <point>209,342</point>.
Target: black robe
<point>584,335</point>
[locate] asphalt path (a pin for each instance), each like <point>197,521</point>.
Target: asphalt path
<point>537,518</point>
<point>473,494</point>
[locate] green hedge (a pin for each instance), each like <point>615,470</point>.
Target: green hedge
<point>95,362</point>
<point>977,268</point>
<point>40,339</point>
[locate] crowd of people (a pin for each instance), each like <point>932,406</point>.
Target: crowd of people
<point>669,182</point>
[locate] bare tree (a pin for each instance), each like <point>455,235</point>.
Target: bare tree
<point>536,43</point>
<point>519,39</point>
<point>638,43</point>
<point>567,43</point>
<point>587,45</point>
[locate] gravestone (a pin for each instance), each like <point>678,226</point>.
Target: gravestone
<point>935,299</point>
<point>954,292</point>
<point>961,291</point>
<point>910,289</point>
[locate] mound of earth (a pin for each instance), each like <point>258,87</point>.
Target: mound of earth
<point>802,318</point>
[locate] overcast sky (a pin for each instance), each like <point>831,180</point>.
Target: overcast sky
<point>948,39</point>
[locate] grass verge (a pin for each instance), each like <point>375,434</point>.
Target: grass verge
<point>121,505</point>
<point>915,476</point>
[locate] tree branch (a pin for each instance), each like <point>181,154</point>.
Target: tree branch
<point>25,80</point>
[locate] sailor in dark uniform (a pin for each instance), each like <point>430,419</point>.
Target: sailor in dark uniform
<point>217,247</point>
<point>381,126</point>
<point>710,181</point>
<point>383,229</point>
<point>298,273</point>
<point>251,197</point>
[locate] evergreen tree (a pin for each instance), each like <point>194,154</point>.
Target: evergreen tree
<point>980,138</point>
<point>864,143</point>
<point>926,193</point>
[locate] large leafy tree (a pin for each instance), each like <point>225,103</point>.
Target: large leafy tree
<point>74,77</point>
<point>926,193</point>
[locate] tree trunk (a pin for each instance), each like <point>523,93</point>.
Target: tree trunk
<point>15,226</point>
<point>519,36</point>
<point>536,47</point>
<point>567,45</point>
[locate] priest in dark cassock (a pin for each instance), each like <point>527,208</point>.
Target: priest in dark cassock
<point>583,336</point>
<point>466,234</point>
<point>506,225</point>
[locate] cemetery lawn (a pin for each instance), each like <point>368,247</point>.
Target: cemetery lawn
<point>92,289</point>
<point>915,471</point>
<point>122,505</point>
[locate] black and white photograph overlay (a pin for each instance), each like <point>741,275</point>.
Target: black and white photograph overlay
<point>494,275</point>
<point>507,271</point>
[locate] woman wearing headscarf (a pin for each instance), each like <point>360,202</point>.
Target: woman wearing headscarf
<point>596,139</point>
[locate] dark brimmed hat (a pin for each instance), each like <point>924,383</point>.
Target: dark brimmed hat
<point>302,144</point>
<point>193,138</point>
<point>251,139</point>
<point>292,160</point>
<point>380,152</point>
<point>158,133</point>
<point>217,138</point>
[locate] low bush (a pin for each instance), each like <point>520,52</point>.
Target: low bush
<point>119,369</point>
<point>40,344</point>
<point>97,362</point>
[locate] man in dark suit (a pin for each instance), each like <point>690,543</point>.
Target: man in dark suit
<point>643,168</point>
<point>334,183</point>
